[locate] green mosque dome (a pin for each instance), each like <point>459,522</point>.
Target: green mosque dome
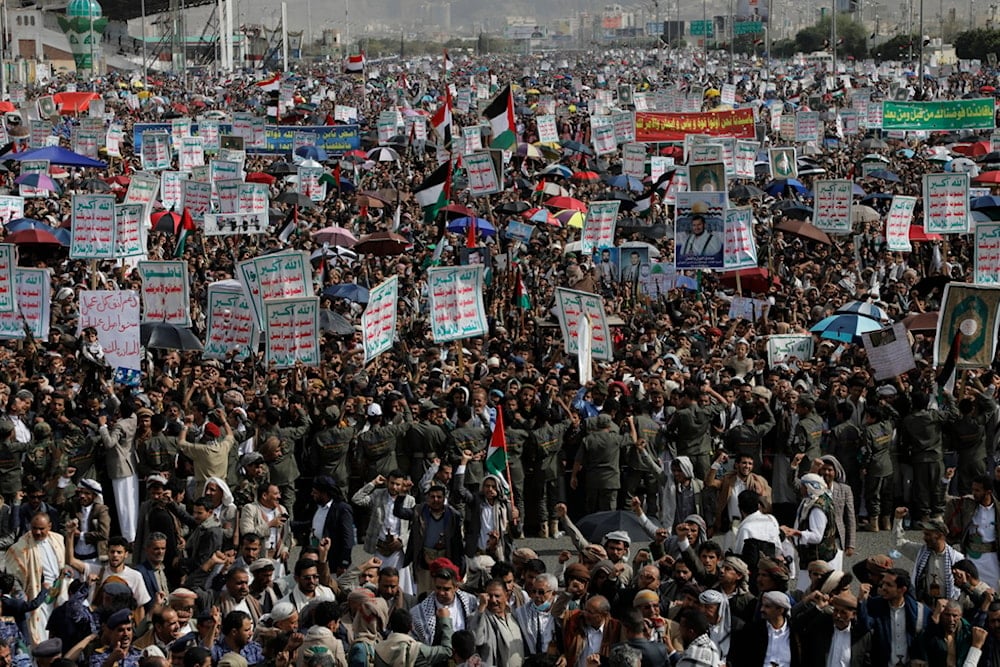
<point>84,8</point>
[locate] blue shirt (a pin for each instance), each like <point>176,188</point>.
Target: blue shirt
<point>252,652</point>
<point>131,658</point>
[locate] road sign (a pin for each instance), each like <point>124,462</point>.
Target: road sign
<point>748,27</point>
<point>701,28</point>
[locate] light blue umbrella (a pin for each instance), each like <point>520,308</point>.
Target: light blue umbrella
<point>483,226</point>
<point>845,327</point>
<point>866,309</point>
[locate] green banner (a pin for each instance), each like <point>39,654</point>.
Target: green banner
<point>700,28</point>
<point>952,115</point>
<point>748,27</point>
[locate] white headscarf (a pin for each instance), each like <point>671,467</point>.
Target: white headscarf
<point>720,632</point>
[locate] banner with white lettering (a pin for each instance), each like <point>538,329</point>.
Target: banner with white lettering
<point>378,323</point>
<point>292,333</point>
<point>92,234</point>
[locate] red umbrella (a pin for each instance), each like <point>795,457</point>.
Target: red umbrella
<point>987,89</point>
<point>980,148</point>
<point>672,151</point>
<point>755,281</point>
<point>918,233</point>
<point>585,177</point>
<point>566,202</point>
<point>260,177</point>
<point>165,221</point>
<point>457,211</point>
<point>118,180</point>
<point>988,177</point>
<point>7,107</point>
<point>33,236</point>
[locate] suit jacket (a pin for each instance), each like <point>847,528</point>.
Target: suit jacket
<point>149,578</point>
<point>119,441</point>
<point>253,520</point>
<point>575,639</point>
<point>812,635</point>
<point>874,613</point>
<point>754,483</point>
<point>417,516</point>
<point>339,527</point>
<point>204,541</point>
<point>472,507</point>
<point>98,525</point>
<point>749,646</point>
<point>368,497</point>
<point>844,515</point>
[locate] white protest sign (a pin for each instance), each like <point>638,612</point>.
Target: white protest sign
<point>740,250</point>
<point>604,138</point>
<point>191,153</point>
<point>143,189</point>
<point>987,257</point>
<point>275,276</point>
<point>172,189</point>
<point>599,225</point>
<point>165,294</point>
<point>946,203</point>
<point>744,157</point>
<point>254,197</point>
<point>378,323</point>
<point>115,316</point>
<point>746,308</point>
<point>889,352</point>
<point>455,295</point>
<point>548,132</point>
<point>832,205</point>
<point>33,288</point>
<point>230,322</point>
<point>571,306</point>
<point>130,236</point>
<point>292,333</point>
<point>229,224</point>
<point>482,174</point>
<point>11,208</point>
<point>309,183</point>
<point>155,151</point>
<point>897,223</point>
<point>196,197</point>
<point>634,160</point>
<point>93,227</point>
<point>782,349</point>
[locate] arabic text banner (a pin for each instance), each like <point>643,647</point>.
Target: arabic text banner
<point>736,123</point>
<point>951,115</point>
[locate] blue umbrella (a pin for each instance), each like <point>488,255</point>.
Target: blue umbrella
<point>312,153</point>
<point>866,309</point>
<point>625,182</point>
<point>845,327</point>
<point>777,187</point>
<point>483,226</point>
<point>857,190</point>
<point>560,170</point>
<point>885,175</point>
<point>19,224</point>
<point>989,201</point>
<point>350,291</point>
<point>63,234</point>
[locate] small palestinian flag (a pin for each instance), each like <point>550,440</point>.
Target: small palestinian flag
<point>186,227</point>
<point>435,191</point>
<point>500,114</point>
<point>946,377</point>
<point>441,121</point>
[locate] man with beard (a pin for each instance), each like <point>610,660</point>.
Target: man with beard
<point>203,546</point>
<point>461,605</point>
<point>835,638</point>
<point>498,637</point>
<point>159,515</point>
<point>116,649</point>
<point>39,556</point>
<point>435,532</point>
<point>92,519</point>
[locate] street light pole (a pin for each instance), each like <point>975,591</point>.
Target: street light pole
<point>920,70</point>
<point>142,7</point>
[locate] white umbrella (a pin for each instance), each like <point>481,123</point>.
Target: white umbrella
<point>383,154</point>
<point>654,253</point>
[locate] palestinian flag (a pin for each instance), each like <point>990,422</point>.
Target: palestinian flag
<point>185,229</point>
<point>435,191</point>
<point>496,453</point>
<point>291,225</point>
<point>441,121</point>
<point>500,114</point>
<point>521,298</point>
<point>946,377</point>
<point>269,85</point>
<point>355,63</point>
<point>644,205</point>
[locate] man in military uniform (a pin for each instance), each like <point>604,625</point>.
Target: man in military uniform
<point>807,438</point>
<point>543,452</point>
<point>921,434</point>
<point>156,450</point>
<point>11,452</point>
<point>425,440</point>
<point>599,457</point>
<point>844,442</point>
<point>280,457</point>
<point>745,439</point>
<point>331,447</point>
<point>969,437</point>
<point>468,438</point>
<point>876,466</point>
<point>692,425</point>
<point>380,443</point>
<point>42,458</point>
<point>253,473</point>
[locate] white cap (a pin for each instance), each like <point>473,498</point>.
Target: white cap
<point>374,410</point>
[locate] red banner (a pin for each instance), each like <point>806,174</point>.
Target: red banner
<point>673,126</point>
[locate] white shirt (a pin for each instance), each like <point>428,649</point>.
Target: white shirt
<point>779,647</point>
<point>131,577</point>
<point>535,624</point>
<point>840,648</point>
<point>733,506</point>
<point>457,613</point>
<point>900,650</point>
<point>985,521</point>
<point>758,526</point>
<point>319,520</point>
<point>486,524</point>
<point>82,548</point>
<point>390,524</point>
<point>21,431</point>
<point>594,637</point>
<point>50,562</point>
<point>272,534</point>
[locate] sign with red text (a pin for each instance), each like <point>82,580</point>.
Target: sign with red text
<point>482,174</point>
<point>378,323</point>
<point>456,302</point>
<point>230,322</point>
<point>93,227</point>
<point>33,289</point>
<point>196,197</point>
<point>987,258</point>
<point>897,223</point>
<point>172,189</point>
<point>292,333</point>
<point>599,226</point>
<point>11,208</point>
<point>165,295</point>
<point>8,263</point>
<point>130,236</point>
<point>115,315</point>
<point>571,306</point>
<point>946,203</point>
<point>285,275</point>
<point>740,251</point>
<point>832,205</point>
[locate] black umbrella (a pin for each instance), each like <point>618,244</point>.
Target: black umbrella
<point>576,147</point>
<point>335,323</point>
<point>295,199</point>
<point>512,208</point>
<point>163,336</point>
<point>627,203</point>
<point>746,191</point>
<point>596,526</point>
<point>929,284</point>
<point>281,168</point>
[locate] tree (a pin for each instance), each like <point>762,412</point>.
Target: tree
<point>977,43</point>
<point>851,37</point>
<point>899,47</point>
